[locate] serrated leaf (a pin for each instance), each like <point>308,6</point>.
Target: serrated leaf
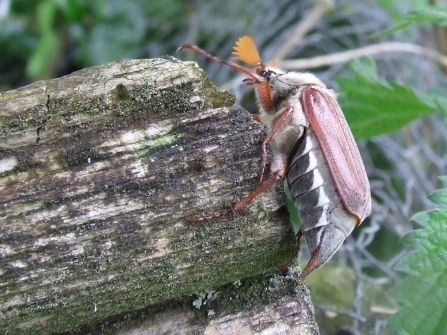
<point>433,315</point>
<point>434,14</point>
<point>418,236</point>
<point>423,261</point>
<point>428,217</point>
<point>407,284</point>
<point>374,106</point>
<point>424,291</point>
<point>439,197</point>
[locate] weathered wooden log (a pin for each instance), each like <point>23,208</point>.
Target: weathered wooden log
<point>99,171</point>
<point>266,304</point>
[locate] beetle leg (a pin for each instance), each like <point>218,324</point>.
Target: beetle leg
<point>237,206</point>
<point>325,240</point>
<point>261,188</point>
<point>286,113</point>
<point>333,238</point>
<point>292,260</point>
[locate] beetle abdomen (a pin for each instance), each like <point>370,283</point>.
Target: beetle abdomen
<point>311,184</point>
<point>325,221</point>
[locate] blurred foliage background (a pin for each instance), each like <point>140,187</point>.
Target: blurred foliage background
<point>51,38</point>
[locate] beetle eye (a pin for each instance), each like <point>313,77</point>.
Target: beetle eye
<point>269,74</point>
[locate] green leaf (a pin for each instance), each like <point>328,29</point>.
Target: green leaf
<point>437,215</point>
<point>394,8</point>
<point>120,34</point>
<point>424,291</point>
<point>43,55</point>
<point>433,14</point>
<point>374,106</point>
<point>438,96</point>
<point>439,197</point>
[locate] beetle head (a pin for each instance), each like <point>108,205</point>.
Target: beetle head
<point>281,82</point>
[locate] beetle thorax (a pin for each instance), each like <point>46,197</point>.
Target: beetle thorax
<point>280,86</point>
<point>283,89</point>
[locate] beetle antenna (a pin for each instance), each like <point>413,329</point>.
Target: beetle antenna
<point>235,66</point>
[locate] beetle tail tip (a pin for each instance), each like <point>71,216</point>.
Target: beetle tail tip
<point>323,242</point>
